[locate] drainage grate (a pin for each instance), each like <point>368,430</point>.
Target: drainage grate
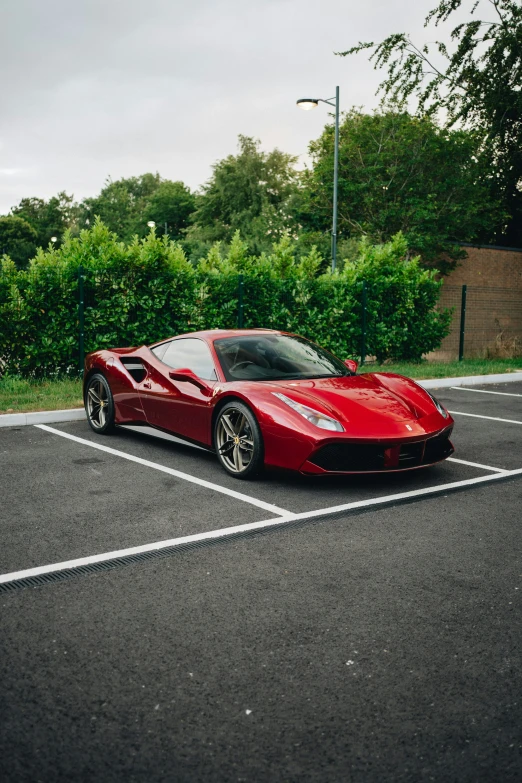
<point>108,565</point>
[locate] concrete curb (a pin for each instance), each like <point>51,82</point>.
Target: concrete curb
<point>76,414</point>
<point>471,380</point>
<point>41,417</point>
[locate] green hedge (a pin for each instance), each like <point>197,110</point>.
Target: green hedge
<point>147,290</point>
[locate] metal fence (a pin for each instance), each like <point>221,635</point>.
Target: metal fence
<point>486,322</point>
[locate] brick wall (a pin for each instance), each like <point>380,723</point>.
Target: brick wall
<point>488,267</point>
<point>494,304</point>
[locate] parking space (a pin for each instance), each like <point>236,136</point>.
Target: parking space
<point>497,438</point>
<point>498,401</point>
<point>502,400</point>
<point>83,495</point>
<point>290,491</point>
<point>375,646</point>
<point>76,501</point>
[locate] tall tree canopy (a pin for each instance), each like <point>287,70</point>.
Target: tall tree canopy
<point>400,173</point>
<point>170,207</point>
<point>18,239</point>
<point>48,218</point>
<point>475,81</point>
<point>126,205</point>
<point>251,192</point>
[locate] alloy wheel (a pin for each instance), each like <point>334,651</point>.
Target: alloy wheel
<point>234,440</point>
<point>97,403</point>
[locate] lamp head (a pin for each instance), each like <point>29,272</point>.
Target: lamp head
<point>308,103</point>
<point>151,224</point>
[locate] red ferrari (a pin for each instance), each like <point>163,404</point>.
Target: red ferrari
<point>258,397</point>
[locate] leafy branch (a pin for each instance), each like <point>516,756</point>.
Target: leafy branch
<point>476,85</point>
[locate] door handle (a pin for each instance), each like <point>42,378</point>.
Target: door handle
<point>146,384</point>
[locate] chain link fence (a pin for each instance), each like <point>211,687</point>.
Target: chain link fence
<point>486,323</point>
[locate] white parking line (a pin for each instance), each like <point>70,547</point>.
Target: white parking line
<point>185,476</point>
<point>253,526</point>
<point>475,465</point>
<point>483,391</point>
<point>491,418</point>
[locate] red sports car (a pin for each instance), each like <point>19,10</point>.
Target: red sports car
<point>259,397</point>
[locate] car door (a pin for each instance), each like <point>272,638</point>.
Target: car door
<point>178,406</point>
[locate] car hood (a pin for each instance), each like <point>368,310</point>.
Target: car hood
<point>369,396</point>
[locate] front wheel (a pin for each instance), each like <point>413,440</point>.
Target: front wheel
<point>99,404</point>
<point>238,441</point>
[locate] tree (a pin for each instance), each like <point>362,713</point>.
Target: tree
<point>48,218</point>
<point>18,240</point>
<point>121,205</point>
<point>125,206</point>
<point>251,192</point>
<point>475,82</point>
<point>400,173</point>
<point>171,205</point>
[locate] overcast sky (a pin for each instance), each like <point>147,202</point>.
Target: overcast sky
<point>92,88</point>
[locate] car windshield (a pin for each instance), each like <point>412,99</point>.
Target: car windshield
<point>275,357</point>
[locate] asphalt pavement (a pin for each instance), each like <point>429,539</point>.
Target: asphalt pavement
<point>382,645</point>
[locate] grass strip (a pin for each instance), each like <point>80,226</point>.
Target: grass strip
<point>19,395</point>
<point>426,370</point>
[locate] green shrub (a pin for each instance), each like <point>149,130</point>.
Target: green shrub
<point>402,320</point>
<point>143,291</point>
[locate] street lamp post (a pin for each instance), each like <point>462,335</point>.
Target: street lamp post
<point>312,103</point>
<point>152,224</point>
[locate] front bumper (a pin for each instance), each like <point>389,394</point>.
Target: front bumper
<point>364,457</point>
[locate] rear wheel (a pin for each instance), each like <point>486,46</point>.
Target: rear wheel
<point>238,441</point>
<point>99,404</point>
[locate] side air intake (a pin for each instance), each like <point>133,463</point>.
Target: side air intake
<point>135,368</point>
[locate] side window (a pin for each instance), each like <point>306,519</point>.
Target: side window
<point>159,350</point>
<point>191,353</point>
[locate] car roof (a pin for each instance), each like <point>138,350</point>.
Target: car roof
<point>215,334</point>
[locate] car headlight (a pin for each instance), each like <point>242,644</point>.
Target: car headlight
<point>437,404</point>
<point>320,420</point>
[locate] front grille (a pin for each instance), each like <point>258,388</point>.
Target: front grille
<point>354,457</point>
<point>439,447</point>
<point>349,457</point>
<point>410,454</point>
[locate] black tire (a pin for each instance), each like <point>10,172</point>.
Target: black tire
<point>238,441</point>
<point>99,404</point>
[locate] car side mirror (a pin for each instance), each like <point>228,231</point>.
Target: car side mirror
<point>352,365</point>
<point>188,376</point>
